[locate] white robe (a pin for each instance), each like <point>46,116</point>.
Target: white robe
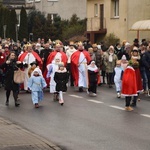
<point>29,58</point>
<point>52,68</point>
<point>83,75</point>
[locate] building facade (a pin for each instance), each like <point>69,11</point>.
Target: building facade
<point>116,16</point>
<point>64,8</point>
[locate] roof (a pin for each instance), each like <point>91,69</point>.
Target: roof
<point>143,25</point>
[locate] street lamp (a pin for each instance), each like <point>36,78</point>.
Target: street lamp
<point>17,29</point>
<point>4,28</point>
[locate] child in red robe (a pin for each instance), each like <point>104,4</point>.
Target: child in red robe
<point>129,86</point>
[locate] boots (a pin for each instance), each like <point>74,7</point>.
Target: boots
<point>7,103</point>
<point>16,103</point>
<point>55,98</point>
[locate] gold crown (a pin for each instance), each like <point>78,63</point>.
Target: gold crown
<point>80,43</point>
<point>28,45</point>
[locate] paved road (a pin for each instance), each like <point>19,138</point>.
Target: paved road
<point>84,123</point>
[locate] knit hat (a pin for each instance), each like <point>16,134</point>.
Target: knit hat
<point>123,57</point>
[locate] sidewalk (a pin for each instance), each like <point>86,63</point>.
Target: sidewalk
<point>13,137</point>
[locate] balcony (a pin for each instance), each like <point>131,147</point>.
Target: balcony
<point>96,24</point>
<point>95,27</point>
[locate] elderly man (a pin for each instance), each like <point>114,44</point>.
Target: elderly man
<point>27,58</point>
<point>79,61</point>
<point>58,52</point>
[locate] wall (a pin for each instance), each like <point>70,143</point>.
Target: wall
<point>64,8</point>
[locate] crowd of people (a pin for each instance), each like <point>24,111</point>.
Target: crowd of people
<point>57,65</point>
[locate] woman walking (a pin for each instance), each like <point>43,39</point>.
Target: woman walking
<point>10,66</point>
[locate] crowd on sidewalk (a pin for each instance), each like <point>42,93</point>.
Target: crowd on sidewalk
<point>54,64</point>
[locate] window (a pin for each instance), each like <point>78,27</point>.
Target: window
<point>115,8</point>
<point>52,0</point>
<point>31,1</point>
<point>96,10</point>
<point>53,16</point>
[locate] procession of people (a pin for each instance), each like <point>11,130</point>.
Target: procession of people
<point>55,66</point>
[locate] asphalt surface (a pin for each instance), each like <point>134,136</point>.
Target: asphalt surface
<point>84,123</point>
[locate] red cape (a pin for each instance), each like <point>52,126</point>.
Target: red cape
<point>52,56</point>
<point>138,80</point>
<point>75,62</point>
<point>49,61</point>
<point>23,55</point>
<point>129,86</point>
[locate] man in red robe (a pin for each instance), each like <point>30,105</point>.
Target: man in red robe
<point>27,58</point>
<point>79,61</point>
<point>58,52</point>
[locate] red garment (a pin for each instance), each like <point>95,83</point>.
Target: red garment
<point>2,58</point>
<point>23,55</point>
<point>129,86</point>
<point>6,53</point>
<point>52,56</point>
<point>75,62</point>
<point>138,80</point>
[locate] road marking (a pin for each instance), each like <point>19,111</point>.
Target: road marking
<point>145,115</point>
<point>76,96</point>
<point>117,107</point>
<point>94,101</point>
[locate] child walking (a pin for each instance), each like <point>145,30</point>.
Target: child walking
<point>118,71</point>
<point>61,78</point>
<point>36,84</point>
<point>129,86</point>
<point>93,78</point>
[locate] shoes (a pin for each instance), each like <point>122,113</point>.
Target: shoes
<point>61,102</point>
<point>56,97</point>
<point>36,105</point>
<point>128,108</point>
<point>94,94</point>
<point>80,89</point>
<point>133,104</point>
<point>87,92</point>
<point>118,95</point>
<point>138,99</point>
<point>145,92</point>
<point>28,91</point>
<point>17,104</point>
<point>110,86</point>
<point>148,92</point>
<point>7,103</point>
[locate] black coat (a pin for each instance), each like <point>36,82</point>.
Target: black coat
<point>92,77</point>
<point>61,79</point>
<point>44,54</point>
<point>9,75</point>
<point>146,60</point>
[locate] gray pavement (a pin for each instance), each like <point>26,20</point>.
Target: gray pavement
<point>14,137</point>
